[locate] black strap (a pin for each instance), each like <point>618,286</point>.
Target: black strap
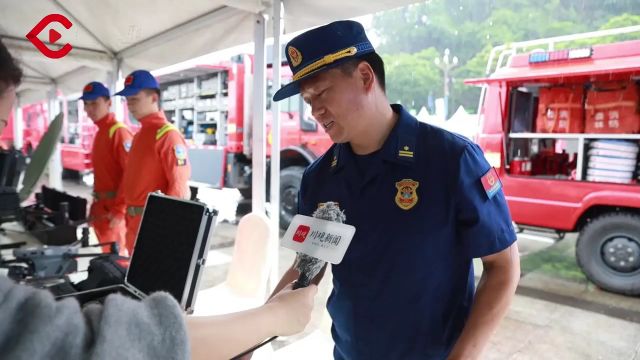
<point>254,348</point>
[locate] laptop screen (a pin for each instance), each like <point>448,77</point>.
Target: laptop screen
<point>165,245</point>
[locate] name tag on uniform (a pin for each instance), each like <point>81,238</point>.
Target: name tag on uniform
<point>491,182</point>
<point>322,239</point>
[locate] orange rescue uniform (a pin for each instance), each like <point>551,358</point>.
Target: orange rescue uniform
<point>157,161</point>
<point>109,157</point>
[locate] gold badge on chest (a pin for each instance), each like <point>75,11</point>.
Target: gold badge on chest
<point>407,196</point>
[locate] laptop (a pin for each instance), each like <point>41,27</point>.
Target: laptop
<point>169,254</point>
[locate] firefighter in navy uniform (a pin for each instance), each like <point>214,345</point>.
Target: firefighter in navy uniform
<point>424,202</point>
<point>109,157</point>
<point>158,159</point>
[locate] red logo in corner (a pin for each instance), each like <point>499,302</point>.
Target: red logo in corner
<point>301,233</point>
<point>53,36</point>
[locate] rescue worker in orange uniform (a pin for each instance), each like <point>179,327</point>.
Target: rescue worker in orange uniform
<point>158,157</point>
<point>109,157</point>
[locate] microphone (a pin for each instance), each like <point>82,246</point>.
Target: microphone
<point>328,239</point>
<point>310,266</point>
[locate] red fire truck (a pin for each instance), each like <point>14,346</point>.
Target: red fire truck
<point>35,119</point>
<point>210,104</point>
<point>563,128</point>
<point>77,133</point>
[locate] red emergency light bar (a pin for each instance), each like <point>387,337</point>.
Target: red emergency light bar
<point>560,55</point>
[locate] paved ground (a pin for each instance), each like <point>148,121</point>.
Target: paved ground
<point>552,317</point>
<point>557,319</point>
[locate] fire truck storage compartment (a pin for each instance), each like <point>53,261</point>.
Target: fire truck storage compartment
<point>613,108</point>
<point>549,158</point>
<point>560,109</point>
<point>612,161</point>
<point>198,105</point>
<point>585,131</point>
<point>522,110</point>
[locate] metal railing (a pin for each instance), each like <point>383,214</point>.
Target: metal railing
<point>511,49</point>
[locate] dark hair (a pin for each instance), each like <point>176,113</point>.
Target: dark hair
<point>154,91</point>
<point>10,72</point>
<point>373,59</point>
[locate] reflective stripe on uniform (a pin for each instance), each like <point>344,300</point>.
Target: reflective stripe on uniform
<point>135,210</point>
<point>101,195</point>
<point>164,129</point>
<point>114,127</point>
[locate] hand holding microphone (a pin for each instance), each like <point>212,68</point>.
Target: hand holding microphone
<point>310,266</point>
<point>293,308</point>
<point>317,240</point>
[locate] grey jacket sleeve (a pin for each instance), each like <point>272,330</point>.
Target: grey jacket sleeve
<point>35,326</point>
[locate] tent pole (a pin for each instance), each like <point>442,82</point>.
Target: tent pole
<point>275,148</point>
<point>258,176</point>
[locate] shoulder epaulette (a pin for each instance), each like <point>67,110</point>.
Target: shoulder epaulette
<point>114,127</point>
<point>164,130</point>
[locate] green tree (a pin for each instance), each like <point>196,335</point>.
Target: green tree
<point>411,77</point>
<point>623,20</point>
<point>470,28</point>
<point>468,95</point>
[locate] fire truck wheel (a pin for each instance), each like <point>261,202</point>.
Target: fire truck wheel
<point>290,179</point>
<point>608,251</point>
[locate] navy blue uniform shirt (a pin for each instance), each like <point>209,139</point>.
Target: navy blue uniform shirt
<point>421,212</point>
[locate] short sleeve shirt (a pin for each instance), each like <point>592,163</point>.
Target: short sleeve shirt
<point>422,213</point>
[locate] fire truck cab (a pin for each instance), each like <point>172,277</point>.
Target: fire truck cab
<point>561,124</point>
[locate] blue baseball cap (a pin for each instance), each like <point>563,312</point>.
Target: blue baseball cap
<point>94,90</point>
<point>136,81</point>
<point>322,48</point>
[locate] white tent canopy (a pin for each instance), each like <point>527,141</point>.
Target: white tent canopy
<point>144,34</point>
<point>112,37</point>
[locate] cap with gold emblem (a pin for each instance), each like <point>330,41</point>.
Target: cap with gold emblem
<point>323,48</point>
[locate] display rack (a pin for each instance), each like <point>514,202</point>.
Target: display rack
<point>580,138</point>
<point>198,101</point>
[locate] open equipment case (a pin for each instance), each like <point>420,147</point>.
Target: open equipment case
<point>169,254</point>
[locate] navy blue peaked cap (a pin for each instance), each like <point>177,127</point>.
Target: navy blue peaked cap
<point>323,48</point>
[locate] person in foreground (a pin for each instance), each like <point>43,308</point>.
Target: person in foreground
<point>424,203</point>
<point>10,76</point>
<point>33,325</point>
